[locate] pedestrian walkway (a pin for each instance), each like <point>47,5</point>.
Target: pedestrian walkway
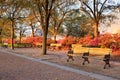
<point>81,73</point>
<point>17,67</point>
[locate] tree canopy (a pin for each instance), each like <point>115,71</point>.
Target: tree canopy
<point>52,14</point>
<point>97,9</point>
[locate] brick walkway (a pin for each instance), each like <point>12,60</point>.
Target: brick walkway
<point>17,68</point>
<point>58,58</point>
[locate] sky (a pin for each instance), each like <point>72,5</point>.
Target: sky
<point>114,28</point>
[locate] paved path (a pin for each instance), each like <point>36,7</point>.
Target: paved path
<point>27,68</point>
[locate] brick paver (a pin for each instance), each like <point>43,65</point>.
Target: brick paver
<point>17,68</point>
<point>59,57</point>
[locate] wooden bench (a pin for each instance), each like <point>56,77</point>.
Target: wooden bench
<point>107,60</point>
<point>5,45</point>
<point>87,51</point>
<point>85,56</point>
<point>100,51</point>
<point>78,49</point>
<point>70,55</point>
<point>39,45</point>
<point>55,46</point>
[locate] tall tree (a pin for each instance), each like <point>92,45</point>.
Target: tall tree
<point>96,9</point>
<point>42,10</point>
<point>14,10</point>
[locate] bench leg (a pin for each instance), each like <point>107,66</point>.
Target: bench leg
<point>70,57</point>
<point>85,60</point>
<point>106,65</point>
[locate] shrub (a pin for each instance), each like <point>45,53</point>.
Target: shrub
<point>67,41</point>
<point>94,42</point>
<point>32,40</point>
<point>49,41</point>
<point>86,40</point>
<point>0,44</point>
<point>110,40</point>
<point>104,40</point>
<point>9,41</point>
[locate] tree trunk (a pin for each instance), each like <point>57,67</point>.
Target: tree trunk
<point>32,32</point>
<point>20,36</point>
<point>12,35</point>
<point>45,32</point>
<point>0,38</point>
<point>0,35</point>
<point>54,37</point>
<point>44,43</point>
<point>96,32</point>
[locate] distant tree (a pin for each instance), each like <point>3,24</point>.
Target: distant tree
<point>58,16</point>
<point>20,29</point>
<point>32,22</point>
<point>78,24</point>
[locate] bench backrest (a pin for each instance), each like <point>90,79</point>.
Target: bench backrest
<point>86,54</point>
<point>77,48</point>
<point>70,52</point>
<point>107,56</point>
<point>55,45</point>
<point>100,51</point>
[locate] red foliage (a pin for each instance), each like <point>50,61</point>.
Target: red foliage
<point>49,40</point>
<point>105,40</point>
<point>67,40</point>
<point>9,41</point>
<point>36,40</point>
<point>110,40</point>
<point>94,42</point>
<point>116,52</point>
<point>33,40</point>
<point>86,41</point>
